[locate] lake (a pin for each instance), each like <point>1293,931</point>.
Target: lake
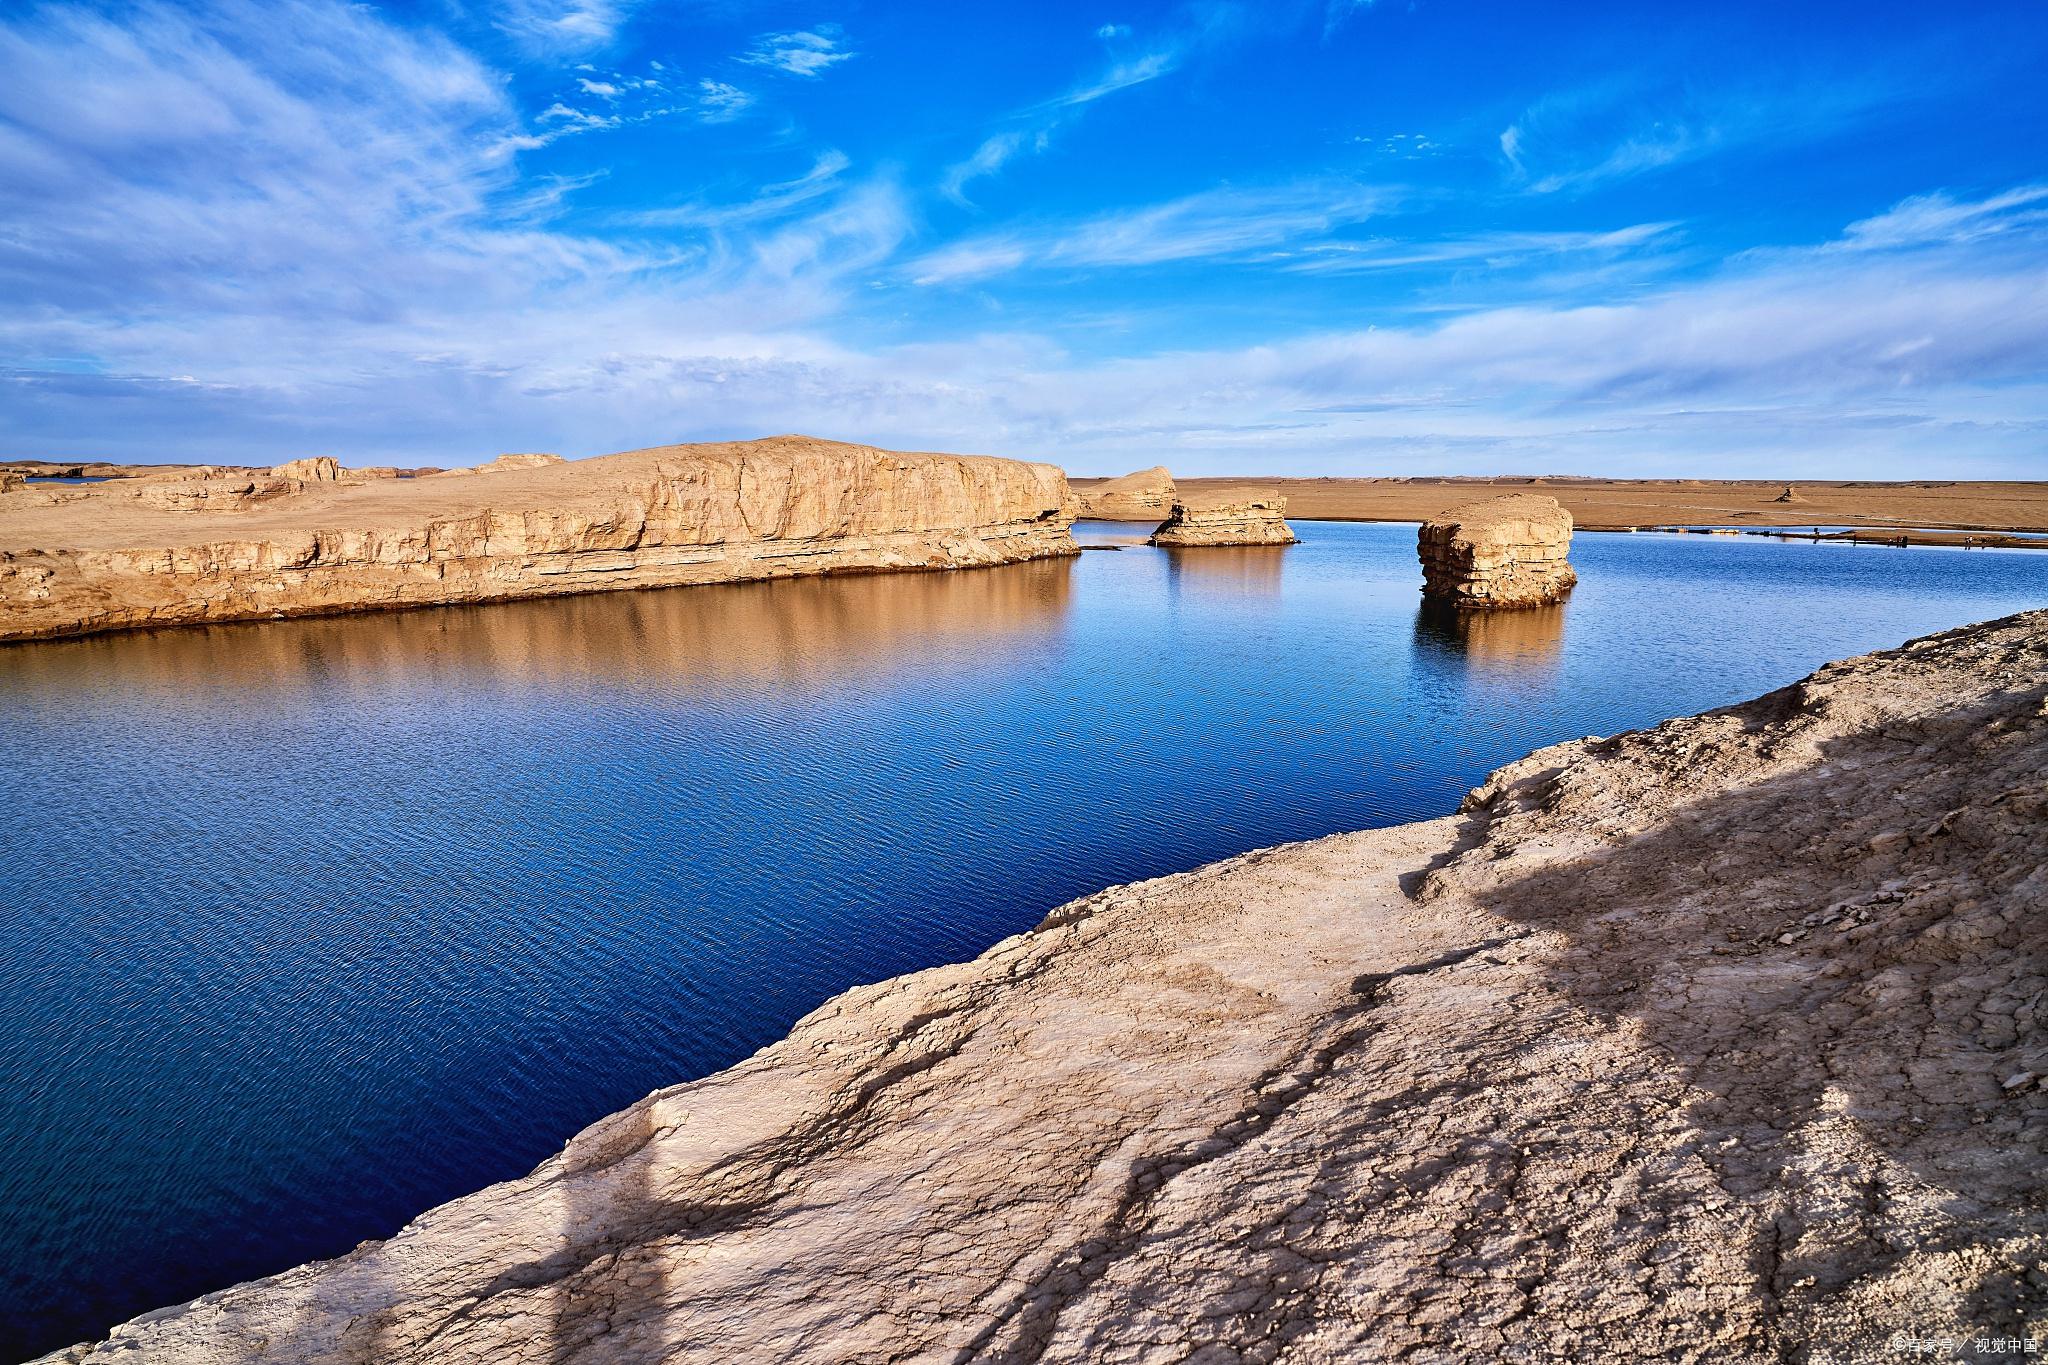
<point>311,925</point>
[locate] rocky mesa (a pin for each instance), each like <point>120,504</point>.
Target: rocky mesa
<point>1719,1041</point>
<point>1503,552</point>
<point>309,538</point>
<point>1257,521</point>
<point>1146,495</point>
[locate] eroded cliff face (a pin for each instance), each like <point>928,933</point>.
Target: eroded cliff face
<point>1719,1041</point>
<point>1146,495</point>
<point>1503,552</point>
<point>1258,521</point>
<point>308,539</point>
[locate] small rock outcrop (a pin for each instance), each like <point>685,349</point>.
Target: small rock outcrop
<point>1259,521</point>
<point>314,469</point>
<point>1505,552</point>
<point>1147,495</point>
<point>531,460</point>
<point>1790,494</point>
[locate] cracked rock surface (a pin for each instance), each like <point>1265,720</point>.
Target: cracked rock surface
<point>308,539</point>
<point>1714,1042</point>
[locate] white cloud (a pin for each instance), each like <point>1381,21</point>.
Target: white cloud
<point>772,202</point>
<point>1496,248</point>
<point>1215,224</point>
<point>1122,76</point>
<point>602,89</point>
<point>1939,218</point>
<point>1109,31</point>
<point>805,53</point>
<point>718,102</point>
<point>993,154</point>
<point>1577,139</point>
<point>563,26</point>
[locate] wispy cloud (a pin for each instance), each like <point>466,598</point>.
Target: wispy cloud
<point>1040,121</point>
<point>1120,76</point>
<point>807,52</point>
<point>1495,248</point>
<point>1335,12</point>
<point>1582,138</point>
<point>1214,225</point>
<point>720,102</point>
<point>772,202</point>
<point>563,27</point>
<point>1939,218</point>
<point>991,156</point>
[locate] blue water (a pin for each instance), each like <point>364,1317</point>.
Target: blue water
<point>311,925</point>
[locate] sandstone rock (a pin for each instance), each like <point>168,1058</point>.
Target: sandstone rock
<point>9,481</point>
<point>315,469</point>
<point>1147,495</point>
<point>1260,521</point>
<point>526,461</point>
<point>1539,1081</point>
<point>664,517</point>
<point>1790,494</point>
<point>1504,552</point>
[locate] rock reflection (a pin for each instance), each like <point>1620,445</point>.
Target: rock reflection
<point>793,633</point>
<point>1228,570</point>
<point>1525,643</point>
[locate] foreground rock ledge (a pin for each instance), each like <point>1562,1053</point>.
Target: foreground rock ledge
<point>1258,521</point>
<point>308,542</point>
<point>1719,1041</point>
<point>1501,553</point>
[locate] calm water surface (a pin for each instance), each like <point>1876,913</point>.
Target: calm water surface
<point>307,926</point>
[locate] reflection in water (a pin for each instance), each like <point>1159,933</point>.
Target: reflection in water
<point>1227,570</point>
<point>791,634</point>
<point>1525,642</point>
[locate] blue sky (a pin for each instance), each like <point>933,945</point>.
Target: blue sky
<point>1326,237</point>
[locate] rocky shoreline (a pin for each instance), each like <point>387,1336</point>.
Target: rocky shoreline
<point>1714,1041</point>
<point>205,546</point>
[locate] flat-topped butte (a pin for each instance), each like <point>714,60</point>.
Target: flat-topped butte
<point>307,539</point>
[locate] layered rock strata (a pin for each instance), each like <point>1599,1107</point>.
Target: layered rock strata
<point>1719,1041</point>
<point>1504,552</point>
<point>202,546</point>
<point>1147,495</point>
<point>1259,521</point>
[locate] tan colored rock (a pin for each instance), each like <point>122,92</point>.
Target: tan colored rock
<point>664,517</point>
<point>1259,521</point>
<point>9,481</point>
<point>1790,494</point>
<point>1504,552</point>
<point>1147,495</point>
<point>525,461</point>
<point>1710,1042</point>
<point>315,469</point>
